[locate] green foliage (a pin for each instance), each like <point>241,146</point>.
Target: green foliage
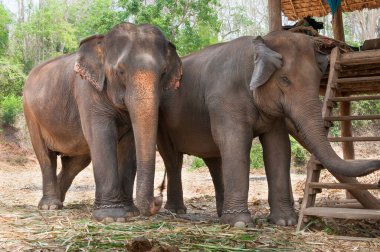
<point>191,25</point>
<point>46,34</point>
<point>10,107</point>
<point>11,78</point>
<point>94,17</point>
<point>299,154</point>
<point>197,163</point>
<point>5,20</point>
<point>256,156</point>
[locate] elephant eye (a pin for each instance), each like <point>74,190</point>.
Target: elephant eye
<point>120,68</point>
<point>285,80</point>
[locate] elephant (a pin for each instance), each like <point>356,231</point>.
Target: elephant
<point>233,92</point>
<point>100,104</point>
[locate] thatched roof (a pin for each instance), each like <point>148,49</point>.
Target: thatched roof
<point>297,9</point>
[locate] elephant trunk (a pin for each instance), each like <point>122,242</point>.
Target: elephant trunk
<point>143,110</point>
<point>313,135</point>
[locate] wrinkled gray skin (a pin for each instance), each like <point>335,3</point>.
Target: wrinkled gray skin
<point>100,104</point>
<point>233,92</point>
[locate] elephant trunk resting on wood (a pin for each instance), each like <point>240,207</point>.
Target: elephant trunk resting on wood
<point>105,111</point>
<point>235,91</point>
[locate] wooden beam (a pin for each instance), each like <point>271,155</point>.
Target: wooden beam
<point>356,98</point>
<point>352,118</point>
<point>352,186</point>
<point>337,24</point>
<point>274,10</point>
<point>353,139</point>
<point>343,213</point>
<point>364,197</point>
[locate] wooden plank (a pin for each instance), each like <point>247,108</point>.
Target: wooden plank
<point>364,197</point>
<point>363,57</point>
<point>354,139</point>
<point>331,83</point>
<point>359,80</point>
<point>313,174</point>
<point>343,213</point>
<point>351,118</point>
<point>351,186</point>
<point>274,11</point>
<point>355,98</point>
<point>371,60</point>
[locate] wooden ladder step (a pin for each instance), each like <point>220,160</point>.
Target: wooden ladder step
<point>364,57</point>
<point>344,213</point>
<point>355,98</point>
<point>358,79</point>
<point>349,186</point>
<point>353,139</point>
<point>352,118</point>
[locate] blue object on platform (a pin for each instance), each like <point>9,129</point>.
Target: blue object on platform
<point>334,4</point>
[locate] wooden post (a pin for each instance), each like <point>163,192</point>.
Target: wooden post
<point>345,107</point>
<point>337,24</point>
<point>274,10</point>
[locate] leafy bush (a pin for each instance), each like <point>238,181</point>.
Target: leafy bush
<point>256,156</point>
<point>299,154</point>
<point>10,107</point>
<point>12,78</point>
<point>197,163</point>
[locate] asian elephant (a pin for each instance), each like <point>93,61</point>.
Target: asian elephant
<point>235,91</point>
<point>100,104</point>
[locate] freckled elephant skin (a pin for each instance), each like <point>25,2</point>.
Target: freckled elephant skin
<point>100,104</point>
<point>233,92</point>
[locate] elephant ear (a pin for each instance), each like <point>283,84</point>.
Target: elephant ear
<point>174,68</point>
<point>266,62</point>
<point>89,62</point>
<point>322,61</point>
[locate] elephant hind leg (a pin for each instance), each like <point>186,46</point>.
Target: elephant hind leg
<point>173,164</point>
<point>48,163</point>
<point>71,166</point>
<point>215,167</point>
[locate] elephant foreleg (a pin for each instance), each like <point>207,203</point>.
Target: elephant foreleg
<point>126,154</point>
<point>234,141</point>
<point>101,135</point>
<point>276,150</point>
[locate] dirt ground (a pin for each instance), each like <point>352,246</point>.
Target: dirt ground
<point>24,227</point>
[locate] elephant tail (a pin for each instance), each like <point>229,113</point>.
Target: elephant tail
<point>162,187</point>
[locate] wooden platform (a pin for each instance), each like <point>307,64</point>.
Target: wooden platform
<point>352,77</point>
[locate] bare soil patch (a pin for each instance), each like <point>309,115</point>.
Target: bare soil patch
<point>24,227</point>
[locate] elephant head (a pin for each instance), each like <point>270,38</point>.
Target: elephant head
<point>285,82</point>
<point>131,66</point>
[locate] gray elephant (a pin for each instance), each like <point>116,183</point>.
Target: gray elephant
<point>235,91</point>
<point>106,111</point>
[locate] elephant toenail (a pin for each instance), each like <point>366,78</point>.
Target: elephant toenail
<point>53,207</point>
<point>45,207</point>
<point>121,219</point>
<point>281,222</point>
<point>108,220</point>
<point>239,224</point>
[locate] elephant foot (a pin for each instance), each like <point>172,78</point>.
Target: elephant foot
<point>132,210</point>
<point>109,215</point>
<point>48,203</point>
<point>279,218</point>
<point>176,208</point>
<point>235,219</point>
<point>152,208</point>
